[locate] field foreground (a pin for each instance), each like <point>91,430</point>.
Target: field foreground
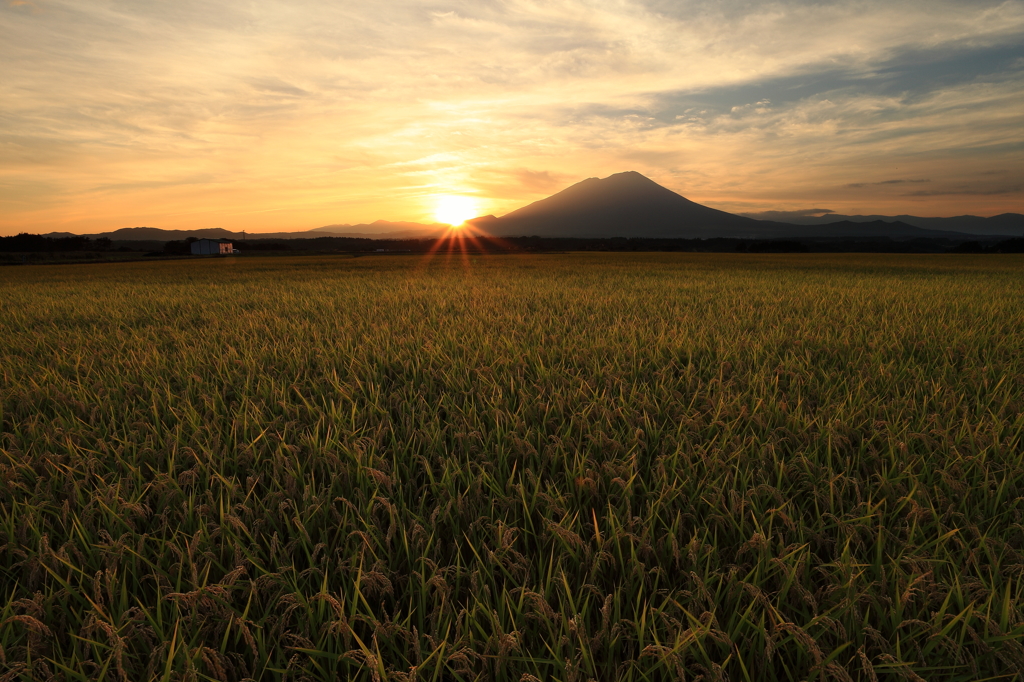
<point>559,467</point>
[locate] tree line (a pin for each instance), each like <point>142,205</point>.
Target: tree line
<point>33,243</point>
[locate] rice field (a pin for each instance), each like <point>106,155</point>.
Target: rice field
<point>549,467</point>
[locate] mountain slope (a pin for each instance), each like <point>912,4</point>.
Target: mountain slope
<point>1009,224</point>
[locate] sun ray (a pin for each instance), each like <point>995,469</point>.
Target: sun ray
<point>462,242</point>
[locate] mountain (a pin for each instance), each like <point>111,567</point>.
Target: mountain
<point>1009,224</point>
<point>631,205</point>
<point>621,205</point>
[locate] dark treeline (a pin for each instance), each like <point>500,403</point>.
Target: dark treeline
<point>181,247</point>
<point>29,243</point>
<point>1008,246</point>
<point>35,243</point>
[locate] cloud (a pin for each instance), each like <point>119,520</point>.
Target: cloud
<point>782,216</point>
<point>539,181</point>
<point>155,184</point>
<point>1017,189</point>
<point>884,182</point>
<point>529,184</point>
<point>278,87</point>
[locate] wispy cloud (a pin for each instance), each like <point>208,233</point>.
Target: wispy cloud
<point>885,182</point>
<point>789,215</point>
<point>1016,189</point>
<point>539,181</point>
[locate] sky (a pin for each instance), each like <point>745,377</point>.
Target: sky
<point>282,116</point>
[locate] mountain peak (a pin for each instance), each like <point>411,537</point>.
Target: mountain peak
<point>629,175</point>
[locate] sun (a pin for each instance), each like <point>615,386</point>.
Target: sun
<point>455,209</point>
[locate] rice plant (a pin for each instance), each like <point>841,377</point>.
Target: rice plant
<point>549,467</point>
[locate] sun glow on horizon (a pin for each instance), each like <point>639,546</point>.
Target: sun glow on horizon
<point>454,209</point>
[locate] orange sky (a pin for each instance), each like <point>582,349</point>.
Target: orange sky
<point>269,116</point>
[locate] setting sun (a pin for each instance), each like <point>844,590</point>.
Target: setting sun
<point>455,210</point>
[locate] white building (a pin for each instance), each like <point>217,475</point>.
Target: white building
<point>207,247</point>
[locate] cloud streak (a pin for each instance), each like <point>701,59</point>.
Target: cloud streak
<point>858,185</point>
<point>1016,189</point>
<point>783,216</point>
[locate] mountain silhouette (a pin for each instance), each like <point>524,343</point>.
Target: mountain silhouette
<point>1009,224</point>
<point>632,205</point>
<point>622,205</point>
<point>375,230</point>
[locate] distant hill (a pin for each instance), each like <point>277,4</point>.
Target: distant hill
<point>847,229</point>
<point>380,229</point>
<point>1011,224</point>
<point>145,234</point>
<point>632,205</point>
